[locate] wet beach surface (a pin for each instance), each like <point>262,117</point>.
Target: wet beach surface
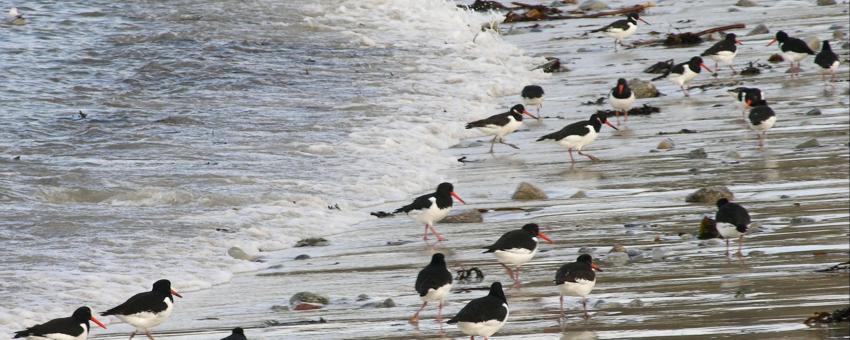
<point>677,287</point>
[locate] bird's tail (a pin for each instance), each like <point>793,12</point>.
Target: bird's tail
<point>452,321</point>
<point>664,75</point>
<point>21,334</point>
<point>741,228</point>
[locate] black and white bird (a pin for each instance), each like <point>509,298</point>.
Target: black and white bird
<point>794,50</point>
<point>724,52</point>
<point>532,95</point>
<point>577,279</point>
<point>237,334</point>
<point>14,17</point>
<point>827,60</point>
<point>761,119</point>
<point>483,316</point>
<point>579,134</point>
<point>431,208</point>
<point>732,221</point>
<point>147,310</point>
<point>746,96</point>
<point>74,327</point>
<point>621,99</point>
<point>682,74</point>
<point>621,29</point>
<point>501,125</point>
<point>516,247</point>
<point>433,284</point>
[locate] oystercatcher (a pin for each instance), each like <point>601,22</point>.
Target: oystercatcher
<point>75,327</point>
<point>732,221</point>
<point>622,28</point>
<point>762,119</point>
<point>621,99</point>
<point>579,134</point>
<point>745,96</point>
<point>433,283</point>
<point>794,50</point>
<point>577,279</point>
<point>827,60</point>
<point>483,316</point>
<point>432,208</point>
<point>532,95</point>
<point>682,74</point>
<point>146,310</point>
<point>517,247</point>
<point>237,334</point>
<point>723,51</point>
<point>501,125</point>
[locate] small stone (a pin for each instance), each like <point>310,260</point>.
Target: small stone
<point>811,143</point>
<point>308,297</point>
<point>635,225</point>
<point>760,29</point>
<point>710,195</point>
<point>665,144</point>
<point>312,242</point>
<point>239,254</point>
<point>643,88</point>
<point>586,250</point>
<point>634,253</point>
<point>802,220</point>
<point>746,3</point>
<point>838,35</point>
<point>733,9</point>
<point>636,303</point>
<point>697,154</point>
<point>362,297</point>
<point>388,303</point>
<point>279,308</point>
<point>579,194</point>
<point>582,50</point>
<point>813,112</point>
<point>302,257</point>
<point>686,236</point>
<point>618,248</point>
<point>784,197</point>
<point>630,233</point>
<point>775,58</point>
<point>617,258</point>
<point>526,191</point>
<point>732,154</point>
<point>464,216</point>
<point>592,5</point>
<point>826,2</point>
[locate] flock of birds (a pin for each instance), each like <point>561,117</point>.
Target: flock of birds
<point>487,315</point>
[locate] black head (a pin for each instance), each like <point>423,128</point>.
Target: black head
<point>532,228</point>
<point>781,36</point>
<point>516,112</point>
<point>238,330</point>
<point>622,81</point>
<point>163,288</point>
<point>731,37</point>
<point>438,259</point>
<point>445,188</point>
<point>585,258</point>
<point>825,46</point>
<point>497,292</point>
<point>721,202</point>
<point>633,17</point>
<point>82,315</point>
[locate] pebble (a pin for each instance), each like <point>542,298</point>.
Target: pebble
<point>636,303</point>
<point>388,303</point>
<point>527,191</point>
<point>592,5</point>
<point>630,233</point>
<point>813,112</point>
<point>617,258</point>
<point>760,29</point>
<point>618,248</point>
<point>634,253</point>
<point>710,195</point>
<point>697,154</point>
<point>665,144</point>
<point>635,225</point>
<point>302,257</point>
<point>784,196</point>
<point>308,297</point>
<point>464,216</point>
<point>579,194</point>
<point>312,242</point>
<point>746,3</point>
<point>239,254</point>
<point>582,50</point>
<point>586,250</point>
<point>362,297</point>
<point>811,143</point>
<point>686,236</point>
<point>602,304</point>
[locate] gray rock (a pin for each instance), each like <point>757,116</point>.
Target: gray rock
<point>579,194</point>
<point>526,191</point>
<point>636,303</point>
<point>618,248</point>
<point>826,2</point>
<point>784,196</point>
<point>617,258</point>
<point>760,29</point>
<point>733,9</point>
<point>302,257</point>
<point>746,3</point>
<point>802,220</point>
<point>665,144</point>
<point>635,225</point>
<point>239,254</point>
<point>586,250</point>
<point>582,50</point>
<point>634,253</point>
<point>697,154</point>
<point>643,88</point>
<point>814,43</point>
<point>362,297</point>
<point>710,195</point>
<point>308,297</point>
<point>811,143</point>
<point>312,242</point>
<point>592,5</point>
<point>630,233</point>
<point>686,236</point>
<point>464,216</point>
<point>813,112</point>
<point>388,303</point>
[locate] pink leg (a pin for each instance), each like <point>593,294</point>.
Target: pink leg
<point>425,236</point>
<point>740,246</point>
<point>415,317</point>
<point>727,247</point>
<point>592,157</point>
<point>509,271</point>
<point>440,312</point>
<point>625,116</point>
<point>562,308</point>
<point>571,156</point>
<point>584,305</point>
<point>434,231</point>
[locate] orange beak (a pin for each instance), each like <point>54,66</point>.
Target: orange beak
<point>739,42</point>
<point>595,267</point>
<point>543,236</point>
<point>749,102</point>
<point>612,126</point>
<point>457,197</point>
<point>529,114</point>
<point>705,67</point>
<point>619,89</point>
<point>96,321</point>
<point>771,42</point>
<point>644,21</point>
<point>173,292</point>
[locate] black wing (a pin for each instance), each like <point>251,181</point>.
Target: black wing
<point>679,68</point>
<point>573,271</point>
<point>142,302</point>
<point>825,59</point>
<point>61,325</point>
<point>499,119</point>
<point>734,214</point>
<point>432,277</point>
<point>759,114</point>
<point>235,337</point>
<point>420,203</point>
<point>622,24</point>
<point>574,129</point>
<point>796,45</point>
<point>480,310</point>
<point>513,239</point>
<point>723,45</point>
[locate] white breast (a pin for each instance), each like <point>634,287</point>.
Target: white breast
<point>515,256</point>
<point>728,230</point>
<point>724,57</point>
<point>487,328</point>
<point>437,294</point>
<point>146,320</point>
<point>682,79</point>
<point>765,125</point>
<point>578,142</point>
<point>620,34</point>
<point>621,104</point>
<point>431,215</point>
<point>580,288</point>
<point>794,56</point>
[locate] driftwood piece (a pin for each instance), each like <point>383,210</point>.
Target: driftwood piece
<point>536,13</point>
<point>644,110</point>
<point>686,38</point>
<point>553,65</point>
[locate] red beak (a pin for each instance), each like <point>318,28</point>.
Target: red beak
<point>529,114</point>
<point>457,197</point>
<point>644,21</point>
<point>739,42</point>
<point>543,236</point>
<point>98,322</point>
<point>612,126</point>
<point>771,42</point>
<point>705,67</point>
<point>749,102</point>
<point>595,267</point>
<point>619,89</point>
<point>176,294</point>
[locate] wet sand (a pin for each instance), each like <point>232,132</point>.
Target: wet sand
<point>678,287</point>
